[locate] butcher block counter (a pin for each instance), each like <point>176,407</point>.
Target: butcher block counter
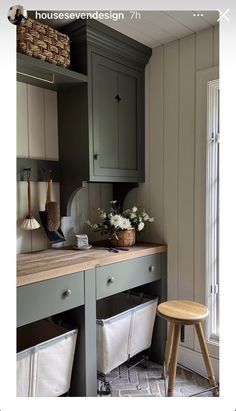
<point>67,283</point>
<point>47,264</point>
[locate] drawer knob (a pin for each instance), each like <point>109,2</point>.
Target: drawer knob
<point>96,156</point>
<point>67,293</point>
<point>110,280</point>
<point>152,268</point>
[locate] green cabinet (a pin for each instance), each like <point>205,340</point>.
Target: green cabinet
<point>74,297</point>
<point>49,297</point>
<point>117,119</point>
<point>100,107</point>
<point>115,278</point>
<point>101,123</point>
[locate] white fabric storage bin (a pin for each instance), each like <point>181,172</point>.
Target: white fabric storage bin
<point>124,328</point>
<point>44,359</point>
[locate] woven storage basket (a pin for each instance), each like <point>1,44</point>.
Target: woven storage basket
<point>41,41</point>
<point>126,238</point>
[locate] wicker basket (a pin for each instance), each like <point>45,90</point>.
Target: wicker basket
<point>41,41</point>
<point>126,238</point>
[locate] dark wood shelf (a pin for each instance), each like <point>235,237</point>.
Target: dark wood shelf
<point>47,75</point>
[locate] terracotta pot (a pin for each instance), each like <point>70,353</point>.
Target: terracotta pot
<point>126,238</point>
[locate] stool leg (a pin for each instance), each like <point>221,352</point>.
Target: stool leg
<point>206,357</point>
<point>173,360</point>
<point>168,350</point>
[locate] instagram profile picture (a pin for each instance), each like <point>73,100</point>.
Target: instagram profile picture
<point>16,14</point>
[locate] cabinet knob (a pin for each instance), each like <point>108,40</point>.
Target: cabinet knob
<point>152,268</point>
<point>110,280</point>
<point>117,97</point>
<point>96,156</point>
<point>67,293</point>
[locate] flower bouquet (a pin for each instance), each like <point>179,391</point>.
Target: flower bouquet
<point>121,227</point>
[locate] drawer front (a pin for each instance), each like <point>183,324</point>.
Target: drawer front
<point>114,278</point>
<point>45,298</point>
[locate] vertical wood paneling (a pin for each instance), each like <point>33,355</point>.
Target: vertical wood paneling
<point>156,145</point>
<point>56,192</point>
<point>171,125</point>
<point>186,165</point>
<point>22,121</point>
<point>144,188</point>
<point>69,224</point>
<point>39,238</point>
<point>186,173</point>
<point>145,235</point>
<point>177,161</point>
<point>37,113</point>
<point>23,237</point>
<point>42,194</point>
<point>106,195</point>
<point>70,238</point>
<point>82,210</point>
<point>204,49</point>
<point>94,191</point>
<point>141,197</point>
<point>36,122</point>
<point>51,124</point>
<point>131,198</point>
<point>216,45</point>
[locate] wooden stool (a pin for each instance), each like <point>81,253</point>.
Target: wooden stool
<point>177,313</point>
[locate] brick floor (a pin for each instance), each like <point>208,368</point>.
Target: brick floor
<point>145,381</point>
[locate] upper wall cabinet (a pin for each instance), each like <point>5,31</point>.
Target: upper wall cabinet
<point>117,121</point>
<point>101,124</point>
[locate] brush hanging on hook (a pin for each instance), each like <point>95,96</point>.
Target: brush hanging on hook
<point>29,223</point>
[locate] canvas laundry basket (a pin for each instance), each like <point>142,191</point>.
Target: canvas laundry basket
<point>44,359</point>
<point>124,328</point>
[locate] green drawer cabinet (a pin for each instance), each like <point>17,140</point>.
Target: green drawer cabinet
<point>74,297</point>
<point>45,298</point>
<point>101,123</point>
<point>115,278</point>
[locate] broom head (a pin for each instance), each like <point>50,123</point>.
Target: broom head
<point>30,223</point>
<point>53,216</point>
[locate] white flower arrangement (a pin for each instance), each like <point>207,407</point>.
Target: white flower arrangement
<point>113,220</point>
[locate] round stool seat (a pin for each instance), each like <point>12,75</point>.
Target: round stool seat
<point>179,313</point>
<point>183,311</point>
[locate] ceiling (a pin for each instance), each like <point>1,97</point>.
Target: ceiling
<point>152,28</point>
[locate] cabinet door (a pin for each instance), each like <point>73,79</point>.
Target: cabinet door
<point>127,126</point>
<point>117,121</point>
<point>105,127</point>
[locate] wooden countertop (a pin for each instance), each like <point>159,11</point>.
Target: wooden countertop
<point>47,264</point>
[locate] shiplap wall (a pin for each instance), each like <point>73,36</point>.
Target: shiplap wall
<point>173,191</point>
<point>37,137</point>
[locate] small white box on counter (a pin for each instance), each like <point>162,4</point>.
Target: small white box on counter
<point>82,240</point>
